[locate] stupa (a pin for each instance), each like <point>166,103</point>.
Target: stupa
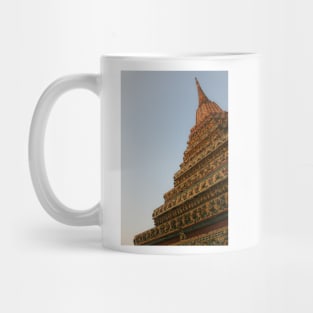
<point>195,210</point>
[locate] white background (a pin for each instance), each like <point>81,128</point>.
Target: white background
<point>49,267</point>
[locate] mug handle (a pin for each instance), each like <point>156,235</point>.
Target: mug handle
<point>43,189</point>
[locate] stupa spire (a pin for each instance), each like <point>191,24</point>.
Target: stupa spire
<point>206,106</point>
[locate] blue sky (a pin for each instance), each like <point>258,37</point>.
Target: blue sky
<point>158,111</point>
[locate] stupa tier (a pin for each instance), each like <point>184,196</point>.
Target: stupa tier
<point>195,210</point>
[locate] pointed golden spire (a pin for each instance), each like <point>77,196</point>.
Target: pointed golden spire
<point>206,106</point>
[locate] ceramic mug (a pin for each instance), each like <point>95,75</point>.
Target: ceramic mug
<point>180,152</point>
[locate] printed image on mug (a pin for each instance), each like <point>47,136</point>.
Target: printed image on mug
<point>174,144</point>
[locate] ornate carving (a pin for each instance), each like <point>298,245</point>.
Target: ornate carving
<point>191,192</point>
<point>200,214</point>
<point>201,164</point>
<point>217,237</point>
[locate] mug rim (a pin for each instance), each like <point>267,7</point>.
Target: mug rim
<point>186,56</point>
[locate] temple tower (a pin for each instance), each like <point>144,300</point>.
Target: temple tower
<point>195,210</point>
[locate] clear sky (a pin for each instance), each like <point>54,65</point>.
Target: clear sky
<point>158,111</point>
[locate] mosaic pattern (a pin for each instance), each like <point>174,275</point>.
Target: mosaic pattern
<point>215,238</point>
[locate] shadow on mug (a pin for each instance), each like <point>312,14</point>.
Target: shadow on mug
<point>62,237</point>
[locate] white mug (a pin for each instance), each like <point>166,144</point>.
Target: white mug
<point>180,152</point>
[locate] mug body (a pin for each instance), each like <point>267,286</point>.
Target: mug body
<point>180,153</point>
